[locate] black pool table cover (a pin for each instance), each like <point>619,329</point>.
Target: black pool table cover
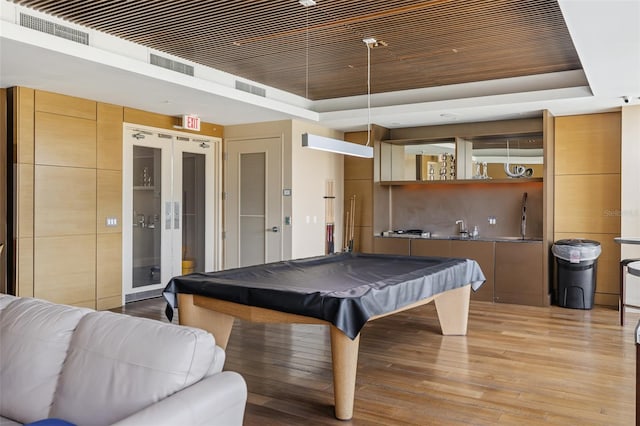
<point>345,289</point>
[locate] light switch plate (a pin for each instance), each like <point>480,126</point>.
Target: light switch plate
<point>112,221</point>
<point>286,192</point>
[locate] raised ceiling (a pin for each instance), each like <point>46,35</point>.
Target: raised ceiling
<point>317,51</point>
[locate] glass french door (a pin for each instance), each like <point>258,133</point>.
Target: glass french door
<point>170,212</point>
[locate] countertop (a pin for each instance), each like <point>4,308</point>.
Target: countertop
<point>459,238</point>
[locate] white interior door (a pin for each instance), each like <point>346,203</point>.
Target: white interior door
<point>171,218</point>
<point>253,202</point>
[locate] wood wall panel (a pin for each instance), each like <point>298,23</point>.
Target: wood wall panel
<point>587,203</point>
<point>65,105</point>
<point>109,137</point>
<point>65,141</point>
<point>363,191</point>
<point>24,265</point>
<point>24,213</point>
<point>65,201</point>
<point>109,271</point>
<point>65,269</point>
<point>355,167</point>
<point>145,118</point>
<point>364,239</point>
<point>587,190</point>
<point>590,144</point>
<point>358,181</point>
<point>358,168</point>
<point>24,125</point>
<point>109,200</point>
<point>548,192</point>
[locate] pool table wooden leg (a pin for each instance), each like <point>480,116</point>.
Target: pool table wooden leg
<point>453,310</point>
<point>196,316</point>
<point>344,355</point>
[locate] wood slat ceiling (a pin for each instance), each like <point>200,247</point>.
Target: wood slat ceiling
<point>317,52</point>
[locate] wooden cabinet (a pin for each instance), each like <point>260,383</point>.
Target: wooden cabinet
<point>519,274</point>
<point>431,248</point>
<point>514,271</point>
<point>480,251</point>
<point>483,253</point>
<point>401,246</point>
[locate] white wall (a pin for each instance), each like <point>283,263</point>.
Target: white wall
<point>310,171</point>
<point>630,197</point>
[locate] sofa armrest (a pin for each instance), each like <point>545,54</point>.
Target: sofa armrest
<point>217,399</point>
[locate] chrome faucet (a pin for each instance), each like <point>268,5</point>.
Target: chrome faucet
<point>462,229</point>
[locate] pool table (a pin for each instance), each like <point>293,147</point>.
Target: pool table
<point>343,291</point>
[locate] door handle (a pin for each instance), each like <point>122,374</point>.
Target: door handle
<point>274,229</point>
<point>176,215</point>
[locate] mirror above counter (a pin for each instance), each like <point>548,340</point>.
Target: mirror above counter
<point>512,156</point>
<point>410,160</point>
<point>487,157</point>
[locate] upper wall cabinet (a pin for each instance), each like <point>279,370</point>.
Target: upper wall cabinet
<point>504,151</point>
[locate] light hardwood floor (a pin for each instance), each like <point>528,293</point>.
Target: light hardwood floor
<point>518,365</point>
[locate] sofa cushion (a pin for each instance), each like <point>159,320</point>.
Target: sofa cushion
<point>8,422</point>
<point>118,365</point>
<point>33,345</point>
<point>5,299</point>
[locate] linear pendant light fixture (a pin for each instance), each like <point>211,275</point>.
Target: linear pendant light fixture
<point>336,145</point>
<point>323,143</point>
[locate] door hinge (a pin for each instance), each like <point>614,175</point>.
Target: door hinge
<point>224,196</point>
<point>225,156</point>
<point>224,235</point>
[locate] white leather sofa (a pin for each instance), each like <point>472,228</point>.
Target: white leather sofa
<point>101,368</point>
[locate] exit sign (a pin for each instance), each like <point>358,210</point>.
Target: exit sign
<point>191,122</point>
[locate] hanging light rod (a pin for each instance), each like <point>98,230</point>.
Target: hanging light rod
<point>337,146</point>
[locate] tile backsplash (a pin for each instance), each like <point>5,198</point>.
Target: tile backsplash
<point>436,207</point>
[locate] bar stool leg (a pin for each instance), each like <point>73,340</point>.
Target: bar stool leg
<point>622,286</point>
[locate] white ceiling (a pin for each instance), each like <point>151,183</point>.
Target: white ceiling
<point>606,35</point>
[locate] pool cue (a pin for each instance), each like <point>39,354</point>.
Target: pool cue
<point>329,217</point>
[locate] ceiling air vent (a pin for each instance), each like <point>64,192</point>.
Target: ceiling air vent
<point>54,29</point>
<point>172,65</point>
<point>246,87</point>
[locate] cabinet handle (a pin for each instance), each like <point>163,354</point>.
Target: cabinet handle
<point>167,217</point>
<point>176,215</point>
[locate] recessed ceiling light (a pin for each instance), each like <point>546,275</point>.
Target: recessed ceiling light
<point>307,3</point>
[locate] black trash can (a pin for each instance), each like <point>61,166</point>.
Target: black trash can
<point>576,267</point>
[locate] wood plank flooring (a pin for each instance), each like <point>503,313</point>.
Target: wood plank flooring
<point>518,365</point>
